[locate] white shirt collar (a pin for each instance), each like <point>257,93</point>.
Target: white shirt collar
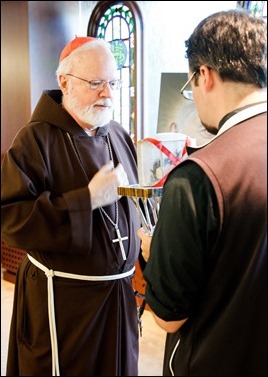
<point>238,117</point>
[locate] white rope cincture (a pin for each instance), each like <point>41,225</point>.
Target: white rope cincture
<point>51,306</point>
<point>171,358</point>
<point>52,324</point>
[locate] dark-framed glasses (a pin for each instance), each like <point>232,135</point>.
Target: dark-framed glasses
<point>188,94</point>
<point>99,85</point>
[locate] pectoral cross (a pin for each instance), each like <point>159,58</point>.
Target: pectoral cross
<point>120,240</point>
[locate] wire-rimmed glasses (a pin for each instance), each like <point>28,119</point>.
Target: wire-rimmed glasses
<point>188,94</point>
<point>100,84</point>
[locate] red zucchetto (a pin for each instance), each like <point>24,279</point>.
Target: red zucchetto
<point>71,46</point>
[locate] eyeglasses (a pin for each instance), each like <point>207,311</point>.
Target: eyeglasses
<point>99,85</point>
<point>188,94</point>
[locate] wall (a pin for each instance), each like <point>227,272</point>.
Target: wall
<point>166,26</point>
<point>15,72</point>
<point>53,23</point>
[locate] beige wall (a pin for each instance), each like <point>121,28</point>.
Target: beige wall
<point>30,50</point>
<point>15,70</point>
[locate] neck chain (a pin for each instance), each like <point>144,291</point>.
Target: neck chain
<point>119,238</point>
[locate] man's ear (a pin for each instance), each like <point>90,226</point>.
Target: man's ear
<point>207,77</point>
<point>63,82</point>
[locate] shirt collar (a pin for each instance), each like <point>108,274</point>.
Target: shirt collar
<point>233,118</point>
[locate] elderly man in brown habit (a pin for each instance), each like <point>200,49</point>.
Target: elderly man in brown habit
<point>74,309</point>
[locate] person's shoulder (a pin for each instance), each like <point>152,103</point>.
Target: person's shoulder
<point>32,130</point>
<point>186,171</point>
<point>115,128</point>
<point>186,168</point>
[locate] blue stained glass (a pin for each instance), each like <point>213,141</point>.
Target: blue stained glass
<point>119,50</point>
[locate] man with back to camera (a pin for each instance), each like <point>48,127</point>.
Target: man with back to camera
<point>207,269</point>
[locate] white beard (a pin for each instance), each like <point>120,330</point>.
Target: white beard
<point>91,115</point>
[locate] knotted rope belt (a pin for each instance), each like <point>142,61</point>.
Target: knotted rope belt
<point>51,308</point>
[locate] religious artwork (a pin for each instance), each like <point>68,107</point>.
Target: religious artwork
<point>119,50</point>
<point>159,154</point>
<point>177,114</point>
<point>170,101</point>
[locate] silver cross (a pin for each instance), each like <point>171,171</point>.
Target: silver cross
<point>120,240</point>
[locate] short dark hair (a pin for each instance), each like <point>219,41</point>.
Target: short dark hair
<point>234,44</point>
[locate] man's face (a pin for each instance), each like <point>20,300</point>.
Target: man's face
<point>91,107</point>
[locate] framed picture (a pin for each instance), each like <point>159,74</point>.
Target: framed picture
<point>175,113</point>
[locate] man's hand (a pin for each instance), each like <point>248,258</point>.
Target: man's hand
<point>145,243</point>
<point>103,186</point>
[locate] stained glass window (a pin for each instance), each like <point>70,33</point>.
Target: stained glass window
<point>114,22</point>
<point>257,8</point>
